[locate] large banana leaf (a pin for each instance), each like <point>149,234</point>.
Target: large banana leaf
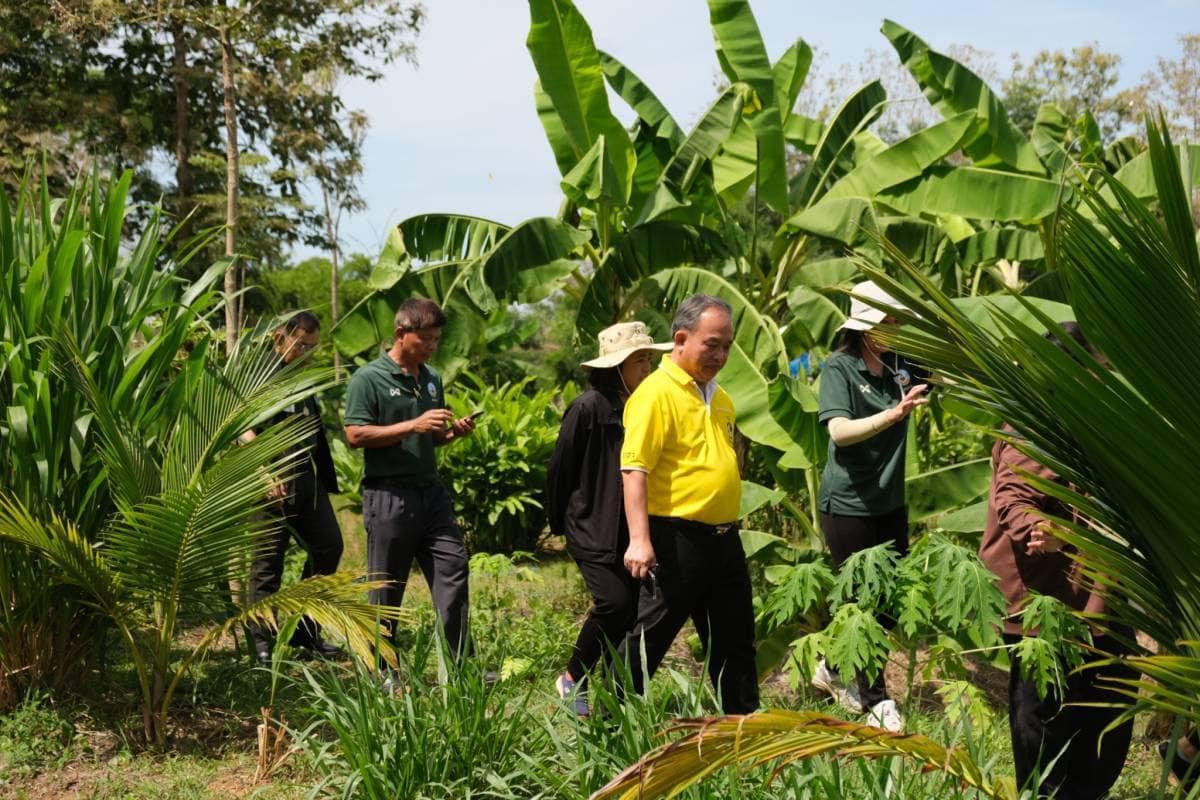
<point>953,89</point>
<point>974,193</point>
<point>1138,173</point>
<point>855,114</point>
<point>945,489</point>
<point>1013,244</point>
<point>483,260</point>
<point>634,255</point>
<point>630,88</point>
<point>849,220</point>
<point>790,72</point>
<point>594,178</point>
<point>698,149</point>
<point>541,245</point>
<point>736,165</point>
<point>735,168</point>
<point>906,159</point>
<point>743,58</point>
<point>556,134</point>
<point>566,59</point>
<point>803,133</point>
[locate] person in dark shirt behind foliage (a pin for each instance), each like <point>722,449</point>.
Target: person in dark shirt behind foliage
<point>1068,736</point>
<point>301,502</point>
<point>584,497</point>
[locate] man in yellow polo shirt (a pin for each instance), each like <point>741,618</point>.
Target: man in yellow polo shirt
<point>682,495</point>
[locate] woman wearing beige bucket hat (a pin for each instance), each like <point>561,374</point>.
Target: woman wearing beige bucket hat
<point>866,395</point>
<point>584,496</point>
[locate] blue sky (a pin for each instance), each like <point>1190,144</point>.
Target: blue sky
<point>458,133</point>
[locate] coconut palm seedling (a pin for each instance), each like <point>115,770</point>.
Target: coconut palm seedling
<point>190,503</point>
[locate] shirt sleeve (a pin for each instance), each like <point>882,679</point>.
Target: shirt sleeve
<point>1019,505</point>
<point>834,395</point>
<point>362,407</point>
<point>562,476</point>
<point>644,425</point>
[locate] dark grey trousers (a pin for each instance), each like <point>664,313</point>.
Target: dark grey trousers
<point>308,516</point>
<point>406,523</point>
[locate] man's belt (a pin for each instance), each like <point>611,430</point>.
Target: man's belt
<point>692,526</point>
<point>397,483</point>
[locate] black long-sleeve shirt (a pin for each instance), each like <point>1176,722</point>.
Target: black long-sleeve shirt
<point>584,496</point>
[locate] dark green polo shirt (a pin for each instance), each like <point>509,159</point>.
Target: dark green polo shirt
<point>382,393</point>
<point>867,478</point>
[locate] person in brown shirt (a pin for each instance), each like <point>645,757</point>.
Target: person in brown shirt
<point>1052,737</point>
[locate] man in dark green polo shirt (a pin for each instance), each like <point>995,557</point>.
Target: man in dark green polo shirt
<point>396,411</point>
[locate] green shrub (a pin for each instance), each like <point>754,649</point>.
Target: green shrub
<point>498,475</point>
<point>33,737</point>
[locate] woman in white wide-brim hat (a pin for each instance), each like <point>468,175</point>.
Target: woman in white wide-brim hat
<point>866,396</point>
<point>584,496</point>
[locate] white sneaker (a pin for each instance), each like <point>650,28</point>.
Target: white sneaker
<point>884,714</point>
<point>827,681</point>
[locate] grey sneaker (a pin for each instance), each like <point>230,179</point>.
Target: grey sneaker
<point>827,681</point>
<point>392,683</point>
<point>567,690</point>
<point>884,714</point>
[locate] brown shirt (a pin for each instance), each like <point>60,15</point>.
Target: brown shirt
<point>1015,509</point>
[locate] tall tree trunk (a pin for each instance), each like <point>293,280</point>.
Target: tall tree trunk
<point>331,230</point>
<point>184,185</point>
<point>232,323</point>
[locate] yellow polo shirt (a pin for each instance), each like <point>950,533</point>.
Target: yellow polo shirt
<point>684,444</point>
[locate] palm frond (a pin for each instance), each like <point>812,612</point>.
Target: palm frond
<point>227,401</point>
<point>336,602</point>
<point>61,544</point>
<point>1122,430</point>
<point>781,738</point>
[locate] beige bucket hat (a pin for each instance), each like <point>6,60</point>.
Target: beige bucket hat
<point>862,316</point>
<point>618,342</point>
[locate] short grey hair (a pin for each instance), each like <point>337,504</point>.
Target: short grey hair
<point>687,316</point>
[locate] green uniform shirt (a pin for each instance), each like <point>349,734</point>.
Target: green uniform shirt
<point>864,479</point>
<point>382,393</point>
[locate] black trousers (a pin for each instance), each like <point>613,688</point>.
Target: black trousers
<point>845,536</point>
<point>614,609</point>
<point>699,574</point>
<point>1044,730</point>
<point>308,516</point>
<point>407,523</point>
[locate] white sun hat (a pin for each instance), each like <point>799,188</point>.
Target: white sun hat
<point>618,342</point>
<point>862,316</point>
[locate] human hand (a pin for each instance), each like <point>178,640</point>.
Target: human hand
<point>435,419</point>
<point>277,492</point>
<point>1043,541</point>
<point>460,428</point>
<point>912,398</point>
<point>640,558</point>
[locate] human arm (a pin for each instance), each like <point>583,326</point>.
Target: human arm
<point>639,556</point>
<point>367,436</point>
<point>845,431</point>
<point>1020,506</point>
<point>562,474</point>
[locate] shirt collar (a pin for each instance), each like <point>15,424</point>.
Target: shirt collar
<point>680,376</point>
<point>398,371</point>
